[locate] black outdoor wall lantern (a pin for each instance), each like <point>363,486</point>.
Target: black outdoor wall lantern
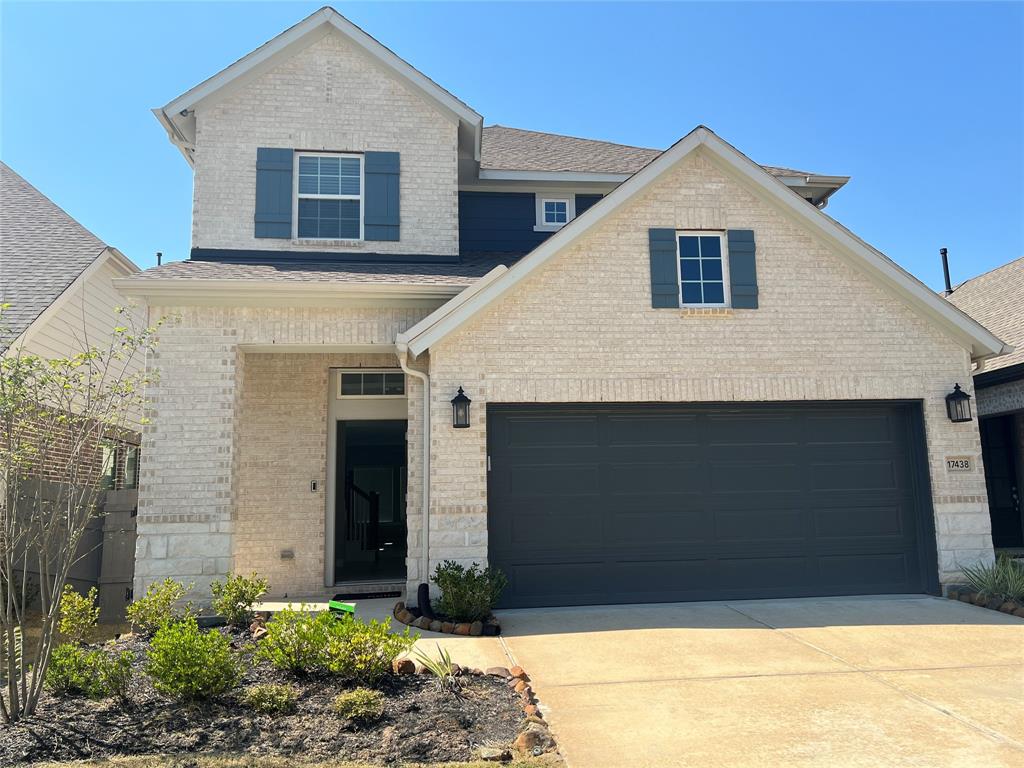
<point>460,410</point>
<point>958,405</point>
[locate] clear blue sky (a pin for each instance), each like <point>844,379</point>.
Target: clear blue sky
<point>921,103</point>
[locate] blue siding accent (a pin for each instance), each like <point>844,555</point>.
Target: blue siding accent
<point>381,218</point>
<point>585,201</point>
<point>664,274</point>
<point>498,222</point>
<point>273,216</point>
<point>742,268</point>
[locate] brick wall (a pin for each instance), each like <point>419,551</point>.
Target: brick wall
<point>582,329</point>
<point>330,97</point>
<point>1002,398</point>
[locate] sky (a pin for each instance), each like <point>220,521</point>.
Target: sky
<point>922,104</point>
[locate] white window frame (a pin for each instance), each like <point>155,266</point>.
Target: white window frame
<point>295,194</point>
<point>726,294</point>
<point>570,211</point>
<point>343,371</point>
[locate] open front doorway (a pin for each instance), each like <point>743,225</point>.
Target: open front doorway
<point>369,532</point>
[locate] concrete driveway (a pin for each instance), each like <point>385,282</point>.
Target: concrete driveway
<point>880,681</point>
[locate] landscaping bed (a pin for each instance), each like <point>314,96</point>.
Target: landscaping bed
<point>995,603</point>
<point>421,722</point>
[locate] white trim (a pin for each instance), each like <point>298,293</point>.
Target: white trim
<point>291,40</point>
<point>570,210</point>
<point>579,177</point>
<point>723,249</point>
<point>339,395</point>
<point>297,155</point>
<point>929,304</point>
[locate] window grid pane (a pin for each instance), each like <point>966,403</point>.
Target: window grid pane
<point>372,384</point>
<point>700,270</point>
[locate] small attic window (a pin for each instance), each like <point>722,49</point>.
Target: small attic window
<point>553,213</point>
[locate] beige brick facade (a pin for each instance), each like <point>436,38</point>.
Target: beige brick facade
<point>582,329</point>
<point>328,97</point>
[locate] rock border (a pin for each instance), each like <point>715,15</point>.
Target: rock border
<point>967,595</point>
<point>534,738</point>
<point>414,618</point>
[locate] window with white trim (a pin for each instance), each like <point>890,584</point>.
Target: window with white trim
<point>555,212</point>
<point>703,269</point>
<point>328,196</point>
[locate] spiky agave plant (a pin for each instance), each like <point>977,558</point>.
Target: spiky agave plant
<point>1004,578</point>
<point>442,669</point>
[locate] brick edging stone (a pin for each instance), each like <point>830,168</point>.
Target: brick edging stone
<point>965,595</point>
<point>491,627</point>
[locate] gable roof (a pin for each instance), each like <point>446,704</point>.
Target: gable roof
<point>42,251</point>
<point>178,118</point>
<point>454,315</point>
<point>996,300</point>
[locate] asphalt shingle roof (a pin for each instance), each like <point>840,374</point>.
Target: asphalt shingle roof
<point>996,300</point>
<point>42,250</point>
<point>516,149</point>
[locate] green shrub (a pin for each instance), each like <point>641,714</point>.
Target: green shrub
<point>360,705</point>
<point>270,698</point>
<point>364,652</point>
<point>187,663</point>
<point>468,594</point>
<point>79,614</point>
<point>1003,579</point>
<point>235,598</point>
<point>158,606</point>
<point>75,670</point>
<point>296,640</point>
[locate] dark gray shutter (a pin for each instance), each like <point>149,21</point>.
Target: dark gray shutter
<point>380,204</point>
<point>664,272</point>
<point>742,269</point>
<point>274,192</point>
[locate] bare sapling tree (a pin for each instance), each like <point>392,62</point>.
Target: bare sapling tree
<point>55,416</point>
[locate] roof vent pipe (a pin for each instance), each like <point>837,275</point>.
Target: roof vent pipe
<point>160,257</point>
<point>945,270</point>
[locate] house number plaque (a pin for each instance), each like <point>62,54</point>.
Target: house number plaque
<point>959,464</point>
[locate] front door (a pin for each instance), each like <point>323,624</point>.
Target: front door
<point>997,448</point>
<point>370,534</point>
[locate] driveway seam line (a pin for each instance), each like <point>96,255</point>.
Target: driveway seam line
<point>994,735</point>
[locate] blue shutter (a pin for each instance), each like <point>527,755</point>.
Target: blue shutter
<point>380,203</point>
<point>273,193</point>
<point>742,269</point>
<point>664,272</point>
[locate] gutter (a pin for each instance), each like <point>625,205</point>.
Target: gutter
<point>403,362</point>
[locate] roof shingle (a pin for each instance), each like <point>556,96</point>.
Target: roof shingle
<point>42,250</point>
<point>996,300</point>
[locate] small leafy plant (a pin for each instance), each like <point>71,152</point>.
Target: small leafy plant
<point>96,674</point>
<point>235,598</point>
<point>296,640</point>
<point>79,614</point>
<point>442,669</point>
<point>189,664</point>
<point>270,698</point>
<point>363,652</point>
<point>468,594</point>
<point>361,705</point>
<point>159,606</point>
<point>1004,578</point>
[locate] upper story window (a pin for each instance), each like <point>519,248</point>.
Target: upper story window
<point>553,213</point>
<point>556,211</point>
<point>328,196</point>
<point>703,272</point>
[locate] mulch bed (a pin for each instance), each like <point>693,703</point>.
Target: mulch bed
<point>967,595</point>
<point>420,724</point>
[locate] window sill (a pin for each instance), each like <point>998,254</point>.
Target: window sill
<point>327,243</point>
<point>547,227</point>
<point>706,312</point>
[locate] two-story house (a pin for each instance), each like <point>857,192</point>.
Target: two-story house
<point>619,374</point>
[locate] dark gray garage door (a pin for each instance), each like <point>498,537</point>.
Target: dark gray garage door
<point>646,503</point>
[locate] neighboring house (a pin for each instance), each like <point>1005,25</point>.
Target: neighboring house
<point>57,278</point>
<point>996,300</point>
<point>686,381</point>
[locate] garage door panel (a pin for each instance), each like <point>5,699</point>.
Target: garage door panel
<point>654,502</point>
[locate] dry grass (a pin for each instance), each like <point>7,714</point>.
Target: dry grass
<point>212,761</point>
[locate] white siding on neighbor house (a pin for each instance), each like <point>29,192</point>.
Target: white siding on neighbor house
<point>581,329</point>
<point>84,316</point>
<point>329,97</point>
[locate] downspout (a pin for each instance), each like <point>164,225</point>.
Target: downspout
<point>403,361</point>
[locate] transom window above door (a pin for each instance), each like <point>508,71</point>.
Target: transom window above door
<point>328,196</point>
<point>371,384</point>
<point>703,272</point>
